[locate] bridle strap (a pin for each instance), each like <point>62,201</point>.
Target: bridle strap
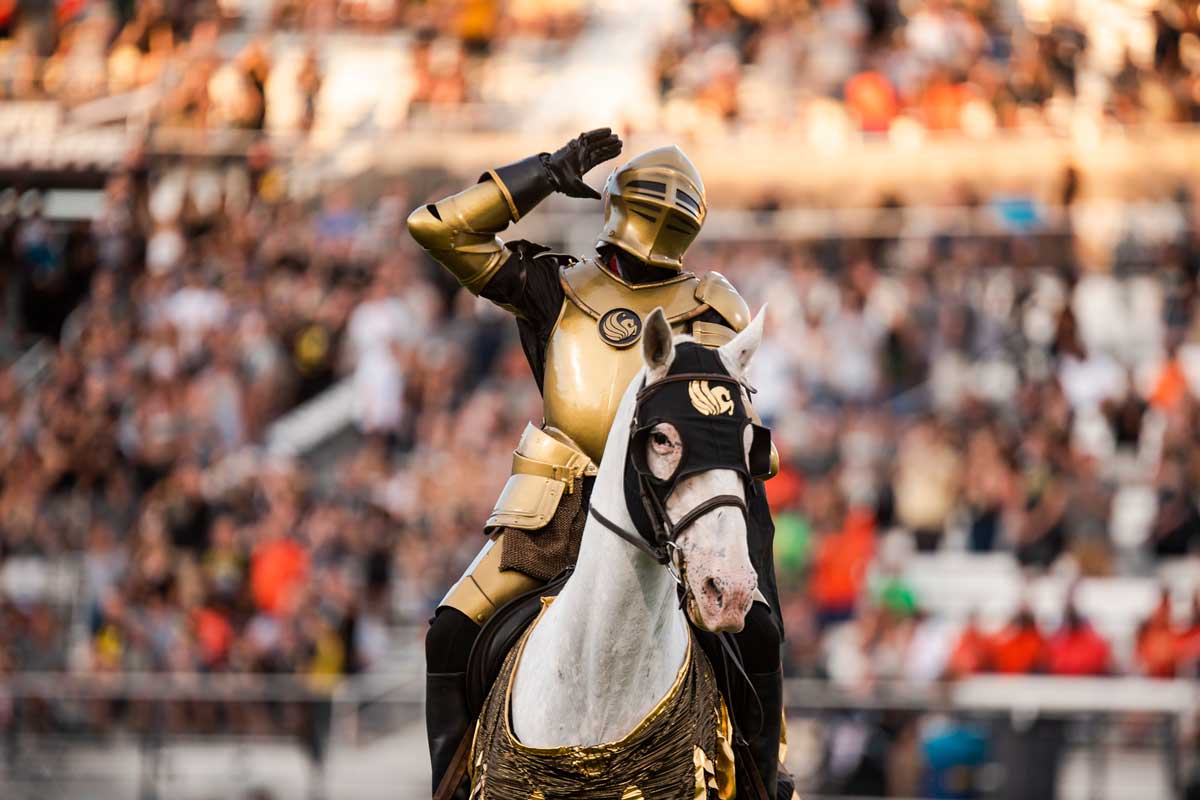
<point>634,539</point>
<point>717,377</point>
<point>711,504</point>
<point>675,529</point>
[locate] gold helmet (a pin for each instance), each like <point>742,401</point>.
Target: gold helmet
<point>654,206</point>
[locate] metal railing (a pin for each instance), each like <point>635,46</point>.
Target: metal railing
<point>1086,712</point>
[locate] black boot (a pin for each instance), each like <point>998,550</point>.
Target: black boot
<point>446,723</point>
<point>765,745</point>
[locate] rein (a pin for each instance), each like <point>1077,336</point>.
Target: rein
<point>663,552</point>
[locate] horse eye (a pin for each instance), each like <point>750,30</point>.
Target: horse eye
<point>660,438</point>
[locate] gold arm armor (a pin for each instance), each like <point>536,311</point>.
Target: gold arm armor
<point>484,587</point>
<point>460,232</point>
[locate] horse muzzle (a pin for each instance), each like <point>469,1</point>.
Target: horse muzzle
<point>720,605</point>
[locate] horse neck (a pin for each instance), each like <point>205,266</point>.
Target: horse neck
<point>626,600</point>
<point>609,647</point>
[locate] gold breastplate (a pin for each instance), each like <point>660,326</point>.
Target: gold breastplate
<point>593,352</point>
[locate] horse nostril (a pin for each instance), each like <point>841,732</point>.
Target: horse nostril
<point>713,587</point>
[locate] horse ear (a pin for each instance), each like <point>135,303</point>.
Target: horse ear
<point>738,351</point>
<point>658,344</point>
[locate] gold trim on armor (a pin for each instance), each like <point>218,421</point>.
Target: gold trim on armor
<point>512,207</point>
<point>484,587</point>
<point>595,290</point>
<point>726,766</point>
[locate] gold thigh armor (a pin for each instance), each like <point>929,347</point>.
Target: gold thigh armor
<point>484,587</point>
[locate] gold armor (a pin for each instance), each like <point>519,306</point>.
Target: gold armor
<point>589,363</point>
<point>460,232</point>
<point>545,464</point>
<point>484,587</point>
<point>654,206</point>
<point>588,366</point>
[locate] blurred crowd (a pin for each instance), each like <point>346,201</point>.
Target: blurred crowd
<point>934,65</point>
<point>976,394</point>
<point>218,64</point>
<point>826,70</point>
<point>939,392</point>
<point>930,392</point>
<point>136,447</point>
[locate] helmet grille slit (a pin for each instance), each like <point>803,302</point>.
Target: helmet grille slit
<point>649,186</point>
<point>686,199</point>
<point>646,217</point>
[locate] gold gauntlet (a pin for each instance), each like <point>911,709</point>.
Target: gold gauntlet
<point>460,233</point>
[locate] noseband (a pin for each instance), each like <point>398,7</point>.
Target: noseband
<point>706,406</point>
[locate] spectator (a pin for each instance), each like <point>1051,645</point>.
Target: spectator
<point>1076,648</point>
<point>927,483</point>
<point>840,562</point>
<point>972,652</point>
<point>1020,647</point>
<point>1157,647</point>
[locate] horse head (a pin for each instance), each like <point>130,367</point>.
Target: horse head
<point>694,452</point>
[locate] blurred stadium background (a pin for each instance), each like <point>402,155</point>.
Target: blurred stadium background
<point>248,434</point>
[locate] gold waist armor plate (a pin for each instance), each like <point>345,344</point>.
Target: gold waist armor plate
<point>545,464</point>
<point>594,350</point>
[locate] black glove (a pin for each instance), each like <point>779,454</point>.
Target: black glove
<point>567,165</point>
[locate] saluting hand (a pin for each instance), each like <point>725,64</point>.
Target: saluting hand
<point>570,163</point>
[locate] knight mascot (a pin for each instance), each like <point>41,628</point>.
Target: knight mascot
<point>578,318</point>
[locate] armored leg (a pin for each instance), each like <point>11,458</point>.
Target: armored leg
<point>759,644</point>
<point>470,602</point>
<point>447,721</point>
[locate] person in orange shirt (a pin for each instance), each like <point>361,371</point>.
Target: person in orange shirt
<point>972,651</point>
<point>873,98</point>
<point>1157,642</point>
<point>840,564</point>
<point>1020,648</point>
<point>942,102</point>
<point>278,568</point>
<point>1077,648</point>
<point>1187,644</point>
<point>1170,386</point>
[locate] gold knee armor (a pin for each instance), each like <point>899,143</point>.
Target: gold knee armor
<point>484,587</point>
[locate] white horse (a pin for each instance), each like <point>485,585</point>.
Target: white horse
<point>610,647</point>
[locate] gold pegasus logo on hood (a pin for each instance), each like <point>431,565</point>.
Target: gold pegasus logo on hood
<point>709,401</point>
